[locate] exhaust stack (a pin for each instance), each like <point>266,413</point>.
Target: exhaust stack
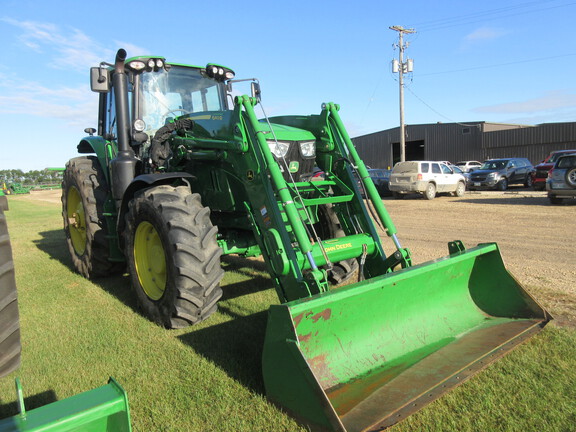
<point>123,166</point>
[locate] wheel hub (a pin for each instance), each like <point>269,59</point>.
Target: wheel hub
<point>76,220</point>
<point>150,260</point>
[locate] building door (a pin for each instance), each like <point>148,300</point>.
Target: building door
<point>414,151</point>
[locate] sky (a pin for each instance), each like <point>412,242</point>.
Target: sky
<point>497,61</point>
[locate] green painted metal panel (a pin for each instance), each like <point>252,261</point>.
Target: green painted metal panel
<point>104,409</point>
<point>352,359</point>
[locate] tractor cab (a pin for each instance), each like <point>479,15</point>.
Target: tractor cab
<point>159,92</point>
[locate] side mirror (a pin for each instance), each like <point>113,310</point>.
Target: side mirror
<point>256,93</point>
<point>100,80</point>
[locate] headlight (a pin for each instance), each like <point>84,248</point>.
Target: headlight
<point>492,175</point>
<point>136,65</point>
<point>278,148</point>
<point>308,148</point>
<point>139,125</point>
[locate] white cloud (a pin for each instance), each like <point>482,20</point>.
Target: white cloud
<point>552,100</point>
<point>67,48</point>
<point>78,106</point>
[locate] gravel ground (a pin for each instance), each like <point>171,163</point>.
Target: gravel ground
<point>536,238</point>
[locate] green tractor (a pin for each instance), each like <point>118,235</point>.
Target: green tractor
<point>179,172</point>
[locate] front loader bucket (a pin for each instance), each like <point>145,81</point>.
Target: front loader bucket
<point>104,409</point>
<point>365,356</point>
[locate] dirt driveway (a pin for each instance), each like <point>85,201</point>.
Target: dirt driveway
<point>536,238</point>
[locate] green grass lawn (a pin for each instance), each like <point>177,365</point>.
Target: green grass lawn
<point>76,333</point>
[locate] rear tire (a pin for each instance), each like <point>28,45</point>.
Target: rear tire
<point>10,347</point>
<point>84,192</point>
<point>328,227</point>
<point>430,192</point>
<point>173,257</point>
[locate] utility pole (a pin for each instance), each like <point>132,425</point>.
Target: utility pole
<point>402,67</point>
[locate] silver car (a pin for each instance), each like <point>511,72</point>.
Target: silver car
<point>561,181</point>
<point>426,178</point>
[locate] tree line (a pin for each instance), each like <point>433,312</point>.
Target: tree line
<point>35,177</point>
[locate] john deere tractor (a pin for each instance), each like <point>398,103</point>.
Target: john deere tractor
<point>180,172</point>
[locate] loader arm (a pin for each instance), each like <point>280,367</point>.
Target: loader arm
<point>282,216</point>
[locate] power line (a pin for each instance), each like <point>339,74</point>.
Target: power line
<point>498,65</point>
<point>437,112</point>
<point>510,11</point>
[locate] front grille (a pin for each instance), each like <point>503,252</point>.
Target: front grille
<point>541,173</point>
<point>478,177</point>
<point>305,165</point>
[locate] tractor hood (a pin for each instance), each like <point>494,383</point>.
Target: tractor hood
<point>286,133</point>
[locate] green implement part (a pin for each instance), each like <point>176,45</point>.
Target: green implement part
<point>104,409</point>
<point>365,356</point>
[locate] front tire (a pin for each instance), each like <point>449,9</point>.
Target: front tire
<point>460,190</point>
<point>502,185</point>
<point>173,257</point>
<point>84,192</point>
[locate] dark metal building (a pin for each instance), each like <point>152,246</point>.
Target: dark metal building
<point>470,141</point>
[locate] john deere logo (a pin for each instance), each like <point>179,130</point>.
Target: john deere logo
<point>294,165</point>
<point>250,175</point>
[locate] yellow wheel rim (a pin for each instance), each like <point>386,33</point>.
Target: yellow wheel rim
<point>76,220</point>
<point>150,260</point>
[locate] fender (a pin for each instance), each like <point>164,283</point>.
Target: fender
<point>145,181</point>
<point>104,151</point>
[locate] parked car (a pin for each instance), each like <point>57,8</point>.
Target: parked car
<point>561,181</point>
<point>468,166</point>
<point>541,174</point>
<point>381,179</point>
<point>500,173</point>
<point>427,178</point>
<point>459,170</point>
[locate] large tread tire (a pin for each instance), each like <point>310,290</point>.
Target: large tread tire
<point>190,272</point>
<point>10,347</point>
<point>84,192</point>
<point>329,227</point>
